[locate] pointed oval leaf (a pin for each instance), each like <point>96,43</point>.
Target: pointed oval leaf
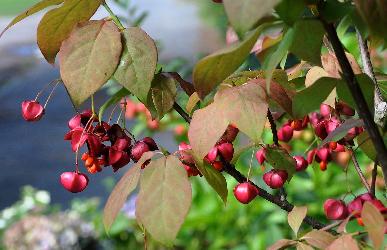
<point>89,57</point>
<point>57,24</point>
<point>207,126</point>
<point>280,244</point>
<point>319,238</point>
<point>302,246</point>
<point>192,101</point>
<point>279,158</point>
<point>310,99</point>
<point>122,190</point>
<point>295,218</point>
<point>210,71</point>
<point>246,107</point>
<point>162,95</point>
<point>164,199</point>
<point>374,223</point>
<point>243,15</point>
<point>342,130</point>
<point>307,42</point>
<point>138,63</point>
<point>343,242</point>
<point>34,9</point>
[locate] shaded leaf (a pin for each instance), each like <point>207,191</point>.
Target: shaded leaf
<point>342,130</point>
<point>164,199</point>
<point>122,190</point>
<point>34,9</point>
<point>279,158</point>
<point>319,238</point>
<point>281,244</point>
<point>290,10</point>
<point>374,223</point>
<point>214,178</point>
<point>332,66</point>
<point>302,246</point>
<point>307,41</point>
<point>313,75</point>
<point>89,57</point>
<point>192,101</point>
<point>252,100</point>
<point>243,15</point>
<point>343,242</point>
<point>342,227</point>
<point>162,95</point>
<point>138,63</point>
<point>207,126</point>
<point>310,99</point>
<point>57,24</point>
<point>210,71</point>
<point>295,218</point>
<point>115,98</point>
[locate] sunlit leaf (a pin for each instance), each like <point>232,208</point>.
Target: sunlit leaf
<point>122,190</point>
<point>164,199</point>
<point>280,244</point>
<point>279,158</point>
<point>138,62</point>
<point>210,71</point>
<point>374,223</point>
<point>343,242</point>
<point>89,57</point>
<point>57,24</point>
<point>295,218</point>
<point>243,15</point>
<point>192,101</point>
<point>318,238</point>
<point>302,246</point>
<point>34,9</point>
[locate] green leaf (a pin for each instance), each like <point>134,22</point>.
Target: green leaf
<point>244,106</point>
<point>342,130</point>
<point>243,15</point>
<point>89,57</point>
<point>112,100</point>
<point>57,24</point>
<point>290,10</point>
<point>122,190</point>
<point>162,95</point>
<point>138,63</point>
<point>309,99</point>
<point>367,87</point>
<point>307,40</point>
<point>374,223</point>
<point>164,199</point>
<point>193,100</point>
<point>333,10</point>
<point>210,71</point>
<point>279,158</point>
<point>34,9</point>
<point>295,218</point>
<point>318,238</point>
<point>206,127</point>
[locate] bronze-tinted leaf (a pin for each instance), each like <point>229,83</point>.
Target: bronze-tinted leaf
<point>374,223</point>
<point>343,242</point>
<point>57,24</point>
<point>302,246</point>
<point>89,57</point>
<point>34,9</point>
<point>319,238</point>
<point>122,190</point>
<point>138,63</point>
<point>295,218</point>
<point>280,244</point>
<point>164,199</point>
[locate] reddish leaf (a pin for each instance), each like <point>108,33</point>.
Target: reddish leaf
<point>138,63</point>
<point>89,57</point>
<point>57,24</point>
<point>343,242</point>
<point>318,238</point>
<point>295,218</point>
<point>164,198</point>
<point>302,246</point>
<point>374,223</point>
<point>122,190</point>
<point>281,244</point>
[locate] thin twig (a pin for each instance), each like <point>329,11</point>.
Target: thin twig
<point>353,85</point>
<point>373,178</point>
<point>273,127</point>
<point>181,112</point>
<point>359,172</point>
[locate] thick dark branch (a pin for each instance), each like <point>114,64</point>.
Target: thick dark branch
<point>373,178</point>
<point>181,112</point>
<point>186,86</point>
<point>358,96</point>
<point>273,127</point>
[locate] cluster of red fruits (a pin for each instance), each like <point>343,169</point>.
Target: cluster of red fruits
<point>85,128</point>
<point>338,210</point>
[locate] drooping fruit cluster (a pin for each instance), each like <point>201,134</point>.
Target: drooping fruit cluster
<point>223,151</point>
<point>338,210</point>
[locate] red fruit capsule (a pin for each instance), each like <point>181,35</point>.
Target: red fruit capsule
<point>218,165</point>
<point>74,182</point>
<point>212,155</point>
<point>32,111</point>
<point>335,209</point>
<point>226,150</point>
<point>275,178</point>
<point>325,110</point>
<point>285,133</point>
<point>320,130</point>
<point>138,150</point>
<point>310,156</point>
<point>245,192</point>
<point>344,109</point>
<point>260,155</point>
<point>323,154</point>
<point>301,163</point>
